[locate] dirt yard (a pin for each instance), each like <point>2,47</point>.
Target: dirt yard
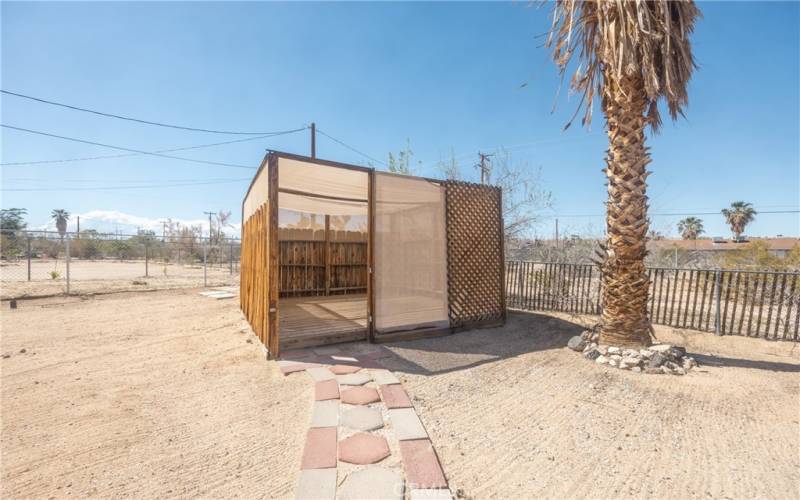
<point>103,276</point>
<point>144,395</point>
<point>160,395</point>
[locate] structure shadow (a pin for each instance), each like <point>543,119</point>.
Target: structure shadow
<point>724,362</point>
<point>524,332</point>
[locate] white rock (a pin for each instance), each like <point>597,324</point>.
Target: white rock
<point>614,350</point>
<point>601,360</point>
<point>646,353</point>
<point>603,349</point>
<point>636,369</point>
<point>616,357</point>
<point>613,362</point>
<point>660,347</point>
<point>629,352</point>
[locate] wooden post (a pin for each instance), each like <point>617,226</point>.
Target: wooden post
<point>371,257</point>
<point>327,254</point>
<point>29,257</point>
<point>717,294</point>
<point>274,334</point>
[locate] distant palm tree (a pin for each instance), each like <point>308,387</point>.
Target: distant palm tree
<point>61,217</point>
<point>631,54</point>
<point>691,228</point>
<point>739,216</point>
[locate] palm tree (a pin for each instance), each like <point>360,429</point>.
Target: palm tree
<point>691,228</point>
<point>61,217</point>
<point>739,216</point>
<point>632,54</point>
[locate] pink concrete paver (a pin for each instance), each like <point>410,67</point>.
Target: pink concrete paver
<point>421,464</point>
<point>360,396</point>
<point>395,397</point>
<point>362,449</point>
<point>288,367</point>
<point>320,450</point>
<point>344,369</point>
<point>327,389</point>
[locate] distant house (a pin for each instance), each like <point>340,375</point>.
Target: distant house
<point>780,247</point>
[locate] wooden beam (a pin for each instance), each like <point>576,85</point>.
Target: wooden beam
<point>273,344</point>
<point>327,253</point>
<point>371,258</point>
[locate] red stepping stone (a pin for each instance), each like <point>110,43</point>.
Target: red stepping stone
<point>395,397</point>
<point>320,450</point>
<point>288,367</point>
<point>344,369</point>
<point>327,389</point>
<point>362,449</point>
<point>421,464</point>
<point>360,396</point>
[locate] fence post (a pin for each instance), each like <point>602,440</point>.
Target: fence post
<point>231,258</point>
<point>146,260</point>
<point>29,257</point>
<point>67,252</point>
<point>718,295</point>
<point>205,264</point>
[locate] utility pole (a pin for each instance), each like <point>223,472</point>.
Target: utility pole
<point>205,250</point>
<point>484,167</point>
<point>313,140</point>
<point>557,244</point>
<point>209,224</point>
<point>163,231</point>
<point>79,227</point>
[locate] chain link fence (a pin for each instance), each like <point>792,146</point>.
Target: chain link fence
<point>42,263</point>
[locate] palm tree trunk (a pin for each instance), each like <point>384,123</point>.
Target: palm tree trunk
<point>625,283</point>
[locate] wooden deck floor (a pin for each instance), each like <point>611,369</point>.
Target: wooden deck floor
<point>310,321</point>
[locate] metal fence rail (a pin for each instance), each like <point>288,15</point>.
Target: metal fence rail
<point>762,304</point>
<point>37,263</point>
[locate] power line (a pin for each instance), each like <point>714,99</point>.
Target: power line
<point>137,120</point>
<point>144,186</point>
<point>351,148</point>
<point>120,148</point>
<point>199,146</point>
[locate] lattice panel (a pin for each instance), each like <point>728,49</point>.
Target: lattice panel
<point>474,253</point>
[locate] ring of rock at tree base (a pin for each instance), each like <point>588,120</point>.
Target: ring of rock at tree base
<point>658,358</point>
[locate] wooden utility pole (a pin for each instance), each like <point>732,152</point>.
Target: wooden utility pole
<point>313,140</point>
<point>484,167</point>
<point>556,233</point>
<point>78,234</point>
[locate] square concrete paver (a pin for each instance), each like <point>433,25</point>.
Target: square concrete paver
<point>406,424</point>
<point>316,484</point>
<point>360,378</point>
<point>384,377</point>
<point>325,413</point>
<point>320,373</point>
<point>421,464</point>
<point>430,494</point>
<point>373,483</point>
<point>320,450</point>
<point>395,397</point>
<point>327,389</point>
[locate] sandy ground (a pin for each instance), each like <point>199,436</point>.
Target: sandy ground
<point>161,395</point>
<point>514,414</point>
<point>144,395</point>
<point>103,276</point>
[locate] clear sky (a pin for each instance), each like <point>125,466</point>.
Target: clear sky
<point>445,76</point>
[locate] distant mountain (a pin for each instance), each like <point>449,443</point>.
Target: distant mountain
<point>112,221</point>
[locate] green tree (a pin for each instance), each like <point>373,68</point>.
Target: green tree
<point>738,216</point>
<point>633,54</point>
<point>690,228</point>
<point>11,223</point>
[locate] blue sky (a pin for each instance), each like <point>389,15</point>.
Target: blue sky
<point>445,76</point>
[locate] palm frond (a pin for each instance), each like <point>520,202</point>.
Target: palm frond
<point>626,38</point>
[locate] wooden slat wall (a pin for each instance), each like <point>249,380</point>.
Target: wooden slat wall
<point>475,268</point>
<point>254,282</point>
<point>306,270</point>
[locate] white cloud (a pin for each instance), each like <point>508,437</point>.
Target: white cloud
<point>113,221</point>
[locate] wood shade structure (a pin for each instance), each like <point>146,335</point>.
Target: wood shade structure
<point>430,262</point>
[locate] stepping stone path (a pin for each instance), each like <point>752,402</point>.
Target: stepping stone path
<point>365,439</point>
